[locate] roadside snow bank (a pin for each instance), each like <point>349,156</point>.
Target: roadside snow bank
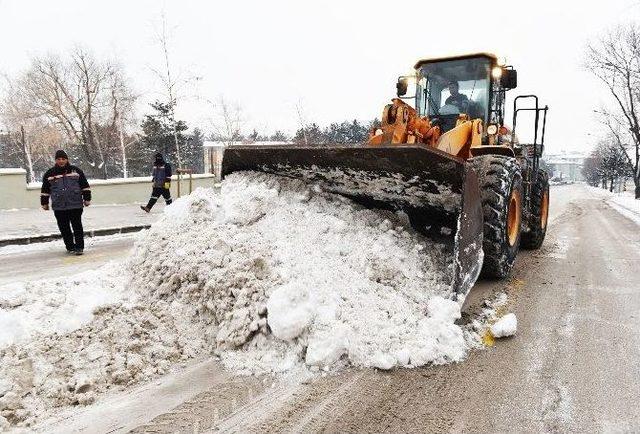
<point>51,306</point>
<point>286,275</point>
<point>625,203</point>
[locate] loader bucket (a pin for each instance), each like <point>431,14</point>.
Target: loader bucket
<point>438,191</point>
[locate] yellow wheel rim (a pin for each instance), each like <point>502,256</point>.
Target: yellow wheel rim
<point>544,209</point>
<point>513,217</point>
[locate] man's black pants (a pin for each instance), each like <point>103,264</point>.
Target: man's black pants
<point>156,193</point>
<point>68,219</point>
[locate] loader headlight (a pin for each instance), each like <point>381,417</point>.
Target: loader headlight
<point>492,129</point>
<point>496,72</point>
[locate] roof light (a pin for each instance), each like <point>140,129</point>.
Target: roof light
<point>496,72</point>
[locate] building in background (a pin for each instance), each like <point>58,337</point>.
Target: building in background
<point>213,151</point>
<point>565,166</point>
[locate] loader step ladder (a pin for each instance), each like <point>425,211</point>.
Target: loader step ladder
<point>531,150</point>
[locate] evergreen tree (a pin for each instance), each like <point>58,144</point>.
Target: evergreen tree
<point>158,136</point>
<point>193,152</point>
<point>310,135</point>
<point>279,136</point>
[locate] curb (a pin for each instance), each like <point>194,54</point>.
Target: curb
<point>51,237</point>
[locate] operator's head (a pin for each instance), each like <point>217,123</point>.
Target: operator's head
<point>61,158</point>
<point>159,158</point>
<point>453,87</point>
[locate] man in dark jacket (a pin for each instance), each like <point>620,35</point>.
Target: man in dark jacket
<point>456,98</point>
<point>161,180</point>
<point>69,191</point>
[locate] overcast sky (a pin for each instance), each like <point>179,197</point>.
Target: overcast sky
<point>336,59</point>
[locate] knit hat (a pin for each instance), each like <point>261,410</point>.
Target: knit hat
<point>159,158</point>
<point>61,154</point>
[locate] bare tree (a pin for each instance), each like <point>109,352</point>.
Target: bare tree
<point>228,121</point>
<point>30,137</point>
<point>173,82</point>
<point>84,98</point>
<point>122,119</point>
<point>302,121</point>
<point>612,163</point>
<point>615,61</point>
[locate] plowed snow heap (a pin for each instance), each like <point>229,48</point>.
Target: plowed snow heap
<point>285,275</point>
<point>269,274</point>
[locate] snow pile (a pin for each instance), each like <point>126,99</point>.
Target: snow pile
<point>627,205</point>
<point>505,326</point>
<point>268,274</point>
<point>55,305</point>
<point>123,345</point>
<point>287,275</point>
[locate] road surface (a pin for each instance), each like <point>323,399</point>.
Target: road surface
<point>573,366</point>
<point>48,260</point>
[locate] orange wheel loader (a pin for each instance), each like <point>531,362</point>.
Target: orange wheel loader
<point>446,159</point>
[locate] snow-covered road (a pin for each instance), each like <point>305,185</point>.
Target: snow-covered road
<point>573,366</point>
<point>50,260</point>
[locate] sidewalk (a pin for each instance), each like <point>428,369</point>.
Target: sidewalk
<point>25,226</point>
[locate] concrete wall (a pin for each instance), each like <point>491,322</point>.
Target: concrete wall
<point>15,193</point>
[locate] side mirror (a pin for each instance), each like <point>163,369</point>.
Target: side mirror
<point>509,79</point>
<point>401,86</point>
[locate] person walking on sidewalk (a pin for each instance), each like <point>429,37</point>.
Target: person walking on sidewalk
<point>69,191</point>
<point>161,180</point>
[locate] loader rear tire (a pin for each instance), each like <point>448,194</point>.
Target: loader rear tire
<point>500,183</point>
<point>539,213</point>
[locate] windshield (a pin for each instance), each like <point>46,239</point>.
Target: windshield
<point>453,87</point>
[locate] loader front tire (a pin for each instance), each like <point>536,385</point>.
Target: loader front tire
<point>537,224</point>
<point>500,183</point>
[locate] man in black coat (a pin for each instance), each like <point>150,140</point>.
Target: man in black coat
<point>69,191</point>
<point>161,180</point>
<point>456,98</point>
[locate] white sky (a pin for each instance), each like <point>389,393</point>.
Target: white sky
<point>338,60</point>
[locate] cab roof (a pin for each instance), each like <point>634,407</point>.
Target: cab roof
<point>489,56</point>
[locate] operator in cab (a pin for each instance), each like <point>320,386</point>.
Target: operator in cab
<point>456,98</point>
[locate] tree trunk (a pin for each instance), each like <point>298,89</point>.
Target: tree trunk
<point>27,156</point>
<point>123,149</point>
<point>611,186</point>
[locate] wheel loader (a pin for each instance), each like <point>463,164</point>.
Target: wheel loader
<point>446,159</point>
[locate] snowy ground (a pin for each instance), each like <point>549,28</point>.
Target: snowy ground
<point>625,202</point>
<point>575,296</point>
<point>267,274</point>
<point>20,223</point>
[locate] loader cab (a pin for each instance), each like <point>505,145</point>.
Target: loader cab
<point>476,79</point>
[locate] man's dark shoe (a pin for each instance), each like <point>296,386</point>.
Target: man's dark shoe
<point>144,208</point>
<point>78,252</point>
